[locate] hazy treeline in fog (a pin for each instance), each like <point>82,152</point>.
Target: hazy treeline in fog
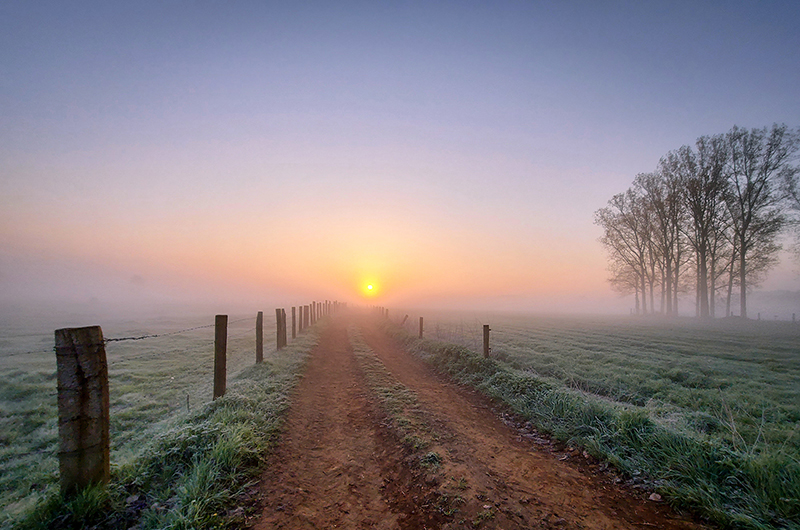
<point>707,219</point>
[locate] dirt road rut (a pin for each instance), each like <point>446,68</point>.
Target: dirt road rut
<point>340,465</point>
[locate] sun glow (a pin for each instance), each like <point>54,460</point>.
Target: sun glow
<point>370,289</point>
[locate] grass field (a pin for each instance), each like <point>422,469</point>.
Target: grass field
<point>151,381</point>
<point>624,387</point>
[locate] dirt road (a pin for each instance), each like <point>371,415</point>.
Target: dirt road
<point>340,465</point>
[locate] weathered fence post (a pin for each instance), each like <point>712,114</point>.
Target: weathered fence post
<point>278,329</point>
<point>220,354</point>
<point>284,336</point>
<point>83,405</point>
<point>486,348</point>
<point>260,337</point>
<point>300,324</point>
<point>306,316</point>
<point>294,323</point>
<point>420,327</point>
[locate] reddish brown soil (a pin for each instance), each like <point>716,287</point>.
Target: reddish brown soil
<point>339,464</point>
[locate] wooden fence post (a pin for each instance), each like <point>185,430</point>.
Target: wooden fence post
<point>278,344</point>
<point>486,348</point>
<point>404,321</point>
<point>83,417</point>
<point>420,327</point>
<point>220,354</point>
<point>301,326</point>
<point>260,337</point>
<point>306,316</point>
<point>294,323</point>
<point>284,336</point>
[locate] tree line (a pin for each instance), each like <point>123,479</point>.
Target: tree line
<point>708,219</point>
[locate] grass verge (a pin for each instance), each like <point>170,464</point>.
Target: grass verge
<point>193,474</point>
<point>730,487</point>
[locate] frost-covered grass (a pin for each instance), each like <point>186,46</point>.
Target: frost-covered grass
<point>710,413</point>
<point>149,383</point>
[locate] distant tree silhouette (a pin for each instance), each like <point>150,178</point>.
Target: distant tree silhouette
<point>760,177</point>
<point>716,209</point>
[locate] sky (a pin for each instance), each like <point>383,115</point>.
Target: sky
<point>451,154</point>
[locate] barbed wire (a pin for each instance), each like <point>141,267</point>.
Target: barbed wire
<point>14,354</point>
<point>155,335</point>
<point>242,333</point>
<point>132,338</point>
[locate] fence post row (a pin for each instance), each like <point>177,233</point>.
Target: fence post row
<point>83,408</point>
<point>420,327</point>
<point>260,337</point>
<point>83,401</point>
<point>486,348</point>
<point>220,353</point>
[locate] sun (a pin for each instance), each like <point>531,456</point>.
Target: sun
<point>370,288</point>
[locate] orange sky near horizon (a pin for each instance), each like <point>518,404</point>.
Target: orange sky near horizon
<point>407,256</point>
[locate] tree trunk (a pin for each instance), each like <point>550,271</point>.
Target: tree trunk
<point>675,284</point>
<point>730,284</point>
<point>742,278</point>
<point>702,284</point>
<point>644,295</point>
<point>697,291</point>
<point>712,289</point>
<point>668,288</point>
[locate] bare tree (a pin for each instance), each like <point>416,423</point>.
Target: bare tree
<point>719,208</point>
<point>626,236</point>
<point>760,177</point>
<point>704,193</point>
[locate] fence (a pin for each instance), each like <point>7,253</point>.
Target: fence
<point>83,386</point>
